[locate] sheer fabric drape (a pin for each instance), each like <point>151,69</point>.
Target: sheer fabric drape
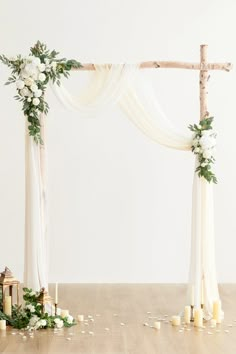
<point>36,239</point>
<point>123,84</point>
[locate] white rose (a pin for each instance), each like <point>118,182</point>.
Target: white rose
<point>59,323</point>
<point>197,150</point>
<point>195,142</point>
<point>34,87</point>
<point>199,126</point>
<point>42,77</point>
<point>34,319</point>
<point>20,84</point>
<point>207,154</point>
<point>69,319</point>
<point>43,323</point>
<point>36,101</point>
<point>204,164</point>
<point>24,91</point>
<point>38,93</point>
<point>29,81</point>
<point>30,69</point>
<point>36,61</point>
<point>31,308</point>
<point>28,99</point>
<point>42,67</point>
<point>207,132</point>
<point>207,142</point>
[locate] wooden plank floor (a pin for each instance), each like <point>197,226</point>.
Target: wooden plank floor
<point>113,304</point>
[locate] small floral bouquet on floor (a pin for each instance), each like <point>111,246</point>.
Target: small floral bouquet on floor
<point>204,146</point>
<point>31,75</point>
<point>32,316</point>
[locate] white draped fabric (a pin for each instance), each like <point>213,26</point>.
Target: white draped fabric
<point>36,241</point>
<point>123,84</point>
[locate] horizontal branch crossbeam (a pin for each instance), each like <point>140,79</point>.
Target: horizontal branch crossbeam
<point>173,65</point>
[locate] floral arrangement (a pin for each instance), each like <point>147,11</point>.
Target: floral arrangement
<point>204,143</point>
<point>31,75</point>
<point>32,316</point>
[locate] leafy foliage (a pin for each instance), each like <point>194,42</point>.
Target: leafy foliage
<point>32,316</point>
<point>33,97</point>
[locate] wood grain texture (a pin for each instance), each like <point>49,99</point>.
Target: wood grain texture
<point>203,82</point>
<point>130,303</point>
<point>169,65</point>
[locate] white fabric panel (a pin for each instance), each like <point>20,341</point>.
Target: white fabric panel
<point>36,242</point>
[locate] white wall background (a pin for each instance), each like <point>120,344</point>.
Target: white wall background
<point>120,205</point>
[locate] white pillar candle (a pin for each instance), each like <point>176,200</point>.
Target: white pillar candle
<point>176,321</point>
<point>198,318</point>
<point>192,296</point>
<point>7,305</point>
<point>213,322</point>
<point>64,313</point>
<point>157,325</point>
<point>3,325</point>
<point>217,311</point>
<point>187,314</point>
<point>80,318</point>
<point>56,293</point>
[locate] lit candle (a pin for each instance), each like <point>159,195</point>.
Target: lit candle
<point>198,318</point>
<point>192,296</point>
<point>176,321</point>
<point>217,311</point>
<point>64,313</point>
<point>80,318</point>
<point>56,293</point>
<point>3,325</point>
<point>187,314</point>
<point>7,305</point>
<point>157,325</point>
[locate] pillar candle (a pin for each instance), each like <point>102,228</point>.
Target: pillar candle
<point>80,318</point>
<point>7,305</point>
<point>176,320</point>
<point>187,314</point>
<point>157,325</point>
<point>3,325</point>
<point>198,318</point>
<point>64,313</point>
<point>217,311</point>
<point>56,293</point>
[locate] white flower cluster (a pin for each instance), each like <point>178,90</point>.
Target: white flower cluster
<point>36,322</point>
<point>205,144</point>
<point>30,307</point>
<point>33,73</point>
<point>59,323</point>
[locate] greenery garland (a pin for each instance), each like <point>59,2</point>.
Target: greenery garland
<point>31,75</point>
<point>204,143</point>
<point>32,316</point>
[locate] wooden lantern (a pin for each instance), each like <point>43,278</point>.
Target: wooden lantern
<point>8,284</point>
<point>44,298</point>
